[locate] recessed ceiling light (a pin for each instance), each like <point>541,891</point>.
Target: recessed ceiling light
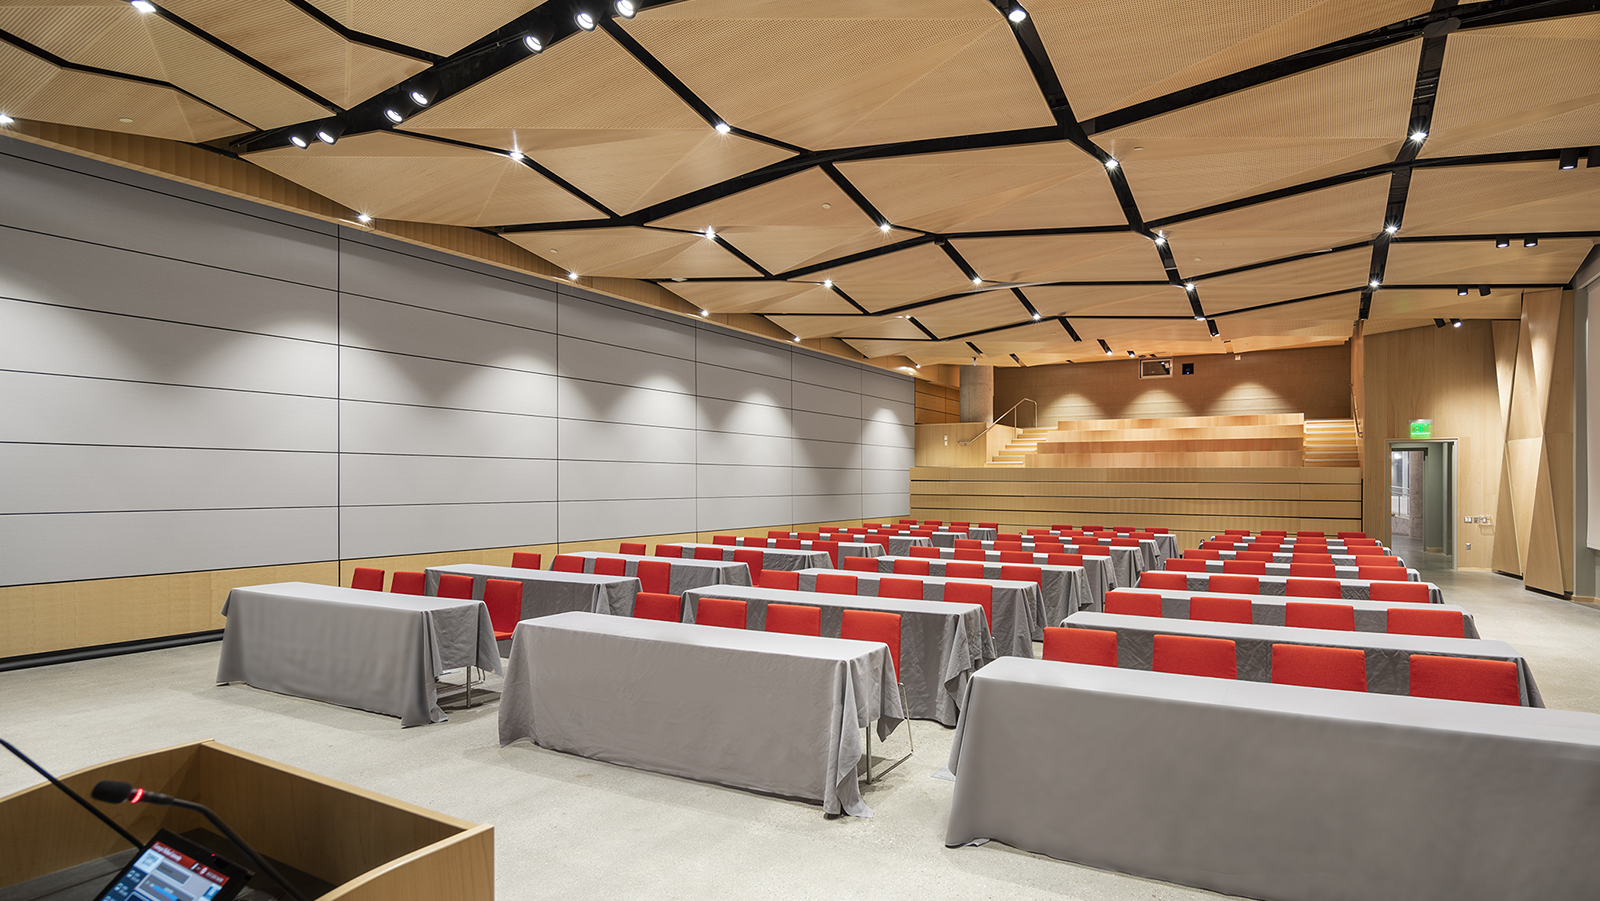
<point>919,365</point>
<point>705,312</point>
<point>827,206</point>
<point>144,6</point>
<point>722,128</point>
<point>5,119</point>
<point>1111,163</point>
<point>827,283</point>
<point>585,21</point>
<point>711,232</point>
<point>125,120</point>
<point>532,42</point>
<point>573,276</point>
<point>393,116</point>
<point>625,8</point>
<point>363,218</point>
<point>517,155</point>
<point>1161,240</point>
<point>976,280</point>
<point>797,339</point>
<point>1188,286</point>
<point>1374,283</point>
<point>1419,136</point>
<point>1391,228</point>
<point>1131,353</point>
<point>883,226</point>
<point>1017,15</point>
<point>298,141</point>
<point>1035,317</point>
<point>1199,318</point>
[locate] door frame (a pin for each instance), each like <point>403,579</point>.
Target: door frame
<point>1451,477</point>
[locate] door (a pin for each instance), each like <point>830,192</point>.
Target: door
<point>1408,504</point>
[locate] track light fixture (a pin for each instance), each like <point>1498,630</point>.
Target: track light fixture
<point>584,20</point>
<point>1569,158</point>
<point>1199,317</point>
<point>1104,346</point>
<point>625,8</point>
<point>1161,240</point>
<point>1438,323</point>
<point>1502,241</point>
<point>1461,292</point>
<point>394,115</point>
<point>423,90</point>
<point>976,280</point>
<point>298,141</point>
<point>1211,326</point>
<point>1455,323</point>
<point>797,339</point>
<point>572,276</point>
<point>328,132</point>
<point>534,42</point>
<point>1483,290</point>
<point>1188,286</point>
<point>884,227</point>
<point>827,283</point>
<point>705,312</point>
<point>1530,241</point>
<point>1036,316</point>
<point>1594,157</point>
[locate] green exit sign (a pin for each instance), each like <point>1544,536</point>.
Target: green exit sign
<point>1422,428</point>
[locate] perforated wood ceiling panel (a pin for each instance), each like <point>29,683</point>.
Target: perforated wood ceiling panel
<point>1068,300</point>
<point>1109,257</point>
<point>1346,270</point>
<point>1513,198</point>
<point>901,277</point>
<point>436,28</point>
<point>1414,308</point>
<point>829,326</point>
<point>634,253</point>
<point>1480,262</point>
<point>761,297</point>
<point>1303,223</point>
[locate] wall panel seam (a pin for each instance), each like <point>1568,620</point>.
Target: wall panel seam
<point>162,256</point>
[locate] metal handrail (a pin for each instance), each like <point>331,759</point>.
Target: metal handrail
<point>1012,412</point>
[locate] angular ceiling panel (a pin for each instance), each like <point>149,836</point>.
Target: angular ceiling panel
<point>633,253</point>
<point>1043,258</point>
<point>424,25</point>
<point>1344,271</point>
<point>1509,199</point>
<point>761,297</point>
<point>1479,262</point>
<point>906,276</point>
<point>1405,308</point>
<point>1303,223</point>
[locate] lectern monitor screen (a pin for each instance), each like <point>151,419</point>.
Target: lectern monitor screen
<point>172,868</point>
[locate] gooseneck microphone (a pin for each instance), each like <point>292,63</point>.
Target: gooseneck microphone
<point>112,792</point>
<point>72,794</point>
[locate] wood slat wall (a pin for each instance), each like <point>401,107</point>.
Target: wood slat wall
<point>937,404</point>
<point>1194,503</point>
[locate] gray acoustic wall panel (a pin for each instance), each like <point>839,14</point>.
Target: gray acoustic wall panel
<point>195,382</point>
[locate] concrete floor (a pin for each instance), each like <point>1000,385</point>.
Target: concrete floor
<point>566,826</point>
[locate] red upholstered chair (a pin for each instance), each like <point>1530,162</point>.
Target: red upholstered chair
<point>1361,542</point>
<point>1133,603</point>
<point>969,542</point>
<point>884,627</point>
<point>1318,667</point>
<point>794,619</point>
<point>1217,545</point>
<point>963,569</point>
<point>1091,528</point>
<point>1313,570</point>
<point>861,564</point>
<point>959,526</point>
<point>1348,535</point>
<point>1307,534</point>
<point>832,549</point>
<point>788,544</point>
<point>1124,542</point>
<point>669,550</point>
<point>808,536</point>
<point>1016,556</point>
<point>836,583</point>
<point>367,579</point>
<point>633,548</point>
<point>724,539</point>
<point>1303,557</point>
<point>1404,592</point>
<point>890,587</point>
<point>1008,536</point>
<point>1096,647</point>
<point>909,567</point>
<point>971,553</point>
<point>1464,679</point>
<point>1048,546</point>
<point>1215,609</point>
<point>1163,579</point>
<point>1196,553</point>
<point>525,560</point>
<point>722,612</point>
<point>503,597</point>
<point>880,542</point>
<point>1179,564</point>
<point>1064,559</point>
<point>1255,556</point>
<point>1307,615</point>
<point>1230,584</point>
<point>567,563</point>
<point>651,605</point>
<point>408,583</point>
<point>1425,621</point>
<point>753,558</point>
<point>1383,574</point>
<point>1313,588</point>
<point>929,553</point>
<point>1379,560</point>
<point>1195,656</point>
<point>1276,533</point>
<point>452,585</point>
<point>777,533</point>
<point>1023,573</point>
<point>1007,546</point>
<point>971,593</point>
<point>1236,531</point>
<point>610,566</point>
<point>788,580</point>
<point>910,522</point>
<point>708,553</point>
<point>654,576</point>
<point>1246,567</point>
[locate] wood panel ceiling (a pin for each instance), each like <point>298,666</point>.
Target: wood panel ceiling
<point>925,178</point>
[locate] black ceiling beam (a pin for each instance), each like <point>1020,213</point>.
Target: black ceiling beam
<point>1027,304</point>
<point>1071,332</point>
<point>975,349</point>
<point>922,328</point>
<point>359,37</point>
<point>725,244</point>
<point>1293,258</point>
<point>850,300</point>
<point>855,195</point>
<point>959,261</point>
<point>536,166</point>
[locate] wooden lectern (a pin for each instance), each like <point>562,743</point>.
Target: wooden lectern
<point>368,846</point>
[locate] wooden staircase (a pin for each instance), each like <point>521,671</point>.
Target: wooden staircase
<point>1016,451</point>
<point>1332,442</point>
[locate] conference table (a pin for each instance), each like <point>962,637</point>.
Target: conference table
<point>1165,543</point>
<point>1347,571</point>
<point>1333,547</point>
<point>1017,607</point>
<point>771,558</point>
<point>1370,616</point>
<point>1065,588</point>
<point>1388,655</point>
<point>1349,589</point>
<point>764,711</point>
<point>1277,791</point>
<point>686,573</point>
<point>1127,562</point>
<point>547,591</point>
<point>846,548</point>
<point>369,650</point>
<point>1099,570</point>
<point>941,644</point>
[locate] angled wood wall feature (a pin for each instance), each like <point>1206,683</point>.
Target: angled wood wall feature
<point>1506,559</point>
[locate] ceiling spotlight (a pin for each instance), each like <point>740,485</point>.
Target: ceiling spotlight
<point>572,276</point>
<point>705,312</point>
<point>1461,291</point>
<point>517,155</point>
<point>585,21</point>
<point>1161,240</point>
<point>1188,286</point>
<point>797,339</point>
<point>1211,326</point>
<point>1455,323</point>
<point>393,116</point>
<point>1104,346</point>
<point>1391,228</point>
<point>363,218</point>
<point>1374,283</point>
<point>1419,136</point>
<point>1483,290</point>
<point>329,132</point>
<point>1502,241</point>
<point>1438,323</point>
<point>1036,317</point>
<point>1111,162</point>
<point>5,119</point>
<point>420,96</point>
<point>976,280</point>
<point>827,283</point>
<point>625,8</point>
<point>144,6</point>
<point>883,226</point>
<point>711,232</point>
<point>722,128</point>
<point>1530,241</point>
<point>533,43</point>
<point>1199,317</point>
<point>1131,353</point>
<point>918,365</point>
<point>1569,158</point>
<point>298,141</point>
<point>1017,15</point>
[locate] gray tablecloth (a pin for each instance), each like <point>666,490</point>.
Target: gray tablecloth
<point>1127,562</point>
<point>941,644</point>
<point>846,548</point>
<point>1100,572</point>
<point>1388,656</point>
<point>1018,606</point>
<point>363,649</point>
<point>546,591</point>
<point>1334,547</point>
<point>686,574</point>
<point>1278,791</point>
<point>759,710</point>
<point>1288,557</point>
<point>773,557</point>
<point>1342,572</point>
<point>1066,588</point>
<point>1370,616</point>
<point>1349,589</point>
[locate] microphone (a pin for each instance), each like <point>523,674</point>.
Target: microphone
<point>72,794</point>
<point>113,792</point>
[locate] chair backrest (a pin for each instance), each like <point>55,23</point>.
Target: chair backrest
<point>1022,573</point>
<point>1380,559</point>
<point>1382,573</point>
<point>794,619</point>
<point>1200,553</point>
<point>1091,528</point>
<point>971,553</point>
<point>862,564</point>
<point>788,544</point>
<point>503,597</point>
<point>780,578</point>
<point>908,566</point>
<point>1313,570</point>
<point>654,575</point>
<point>654,605</point>
<point>1307,615</point>
<point>1425,621</point>
<point>631,548</point>
<point>408,583</point>
<point>728,540</point>
<point>669,550</point>
<point>1319,667</point>
<point>1245,567</point>
<point>525,560</point>
<point>1097,647</point>
<point>708,553</point>
<point>808,536</point>
<point>972,593</point>
<point>891,587</point>
<point>873,625</point>
<point>1232,584</point>
<point>610,566</point>
<point>1353,541</point>
<point>777,533</point>
<point>959,526</point>
<point>1214,545</point>
<point>1195,656</point>
<point>1064,559</point>
<point>963,569</point>
<point>567,563</point>
<point>836,583</point>
<point>1124,542</point>
<point>832,549</point>
<point>367,579</point>
<point>1352,534</point>
<point>1179,564</point>
<point>969,543</point>
<point>989,525</point>
<point>1313,588</point>
<point>1163,579</point>
<point>723,612</point>
<point>1123,602</point>
<point>1008,546</point>
<point>1404,592</point>
<point>1016,556</point>
<point>753,558</point>
<point>1300,556</point>
<point>1217,609</point>
<point>931,553</point>
<point>1236,531</point>
<point>1465,679</point>
<point>454,585</point>
<point>1303,533</point>
<point>1279,533</point>
<point>1254,556</point>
